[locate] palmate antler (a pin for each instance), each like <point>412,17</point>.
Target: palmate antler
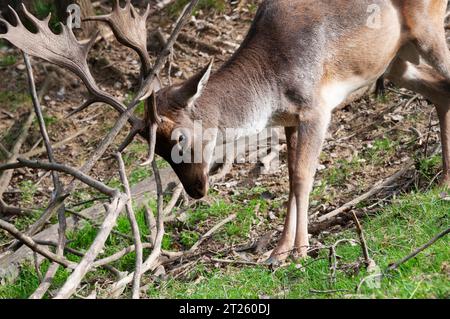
<point>129,27</point>
<point>66,51</point>
<point>63,50</point>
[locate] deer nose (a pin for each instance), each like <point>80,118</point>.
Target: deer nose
<point>199,189</point>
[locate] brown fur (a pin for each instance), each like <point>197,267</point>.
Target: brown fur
<point>295,52</point>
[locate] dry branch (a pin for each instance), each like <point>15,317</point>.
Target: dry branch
<point>51,272</point>
<point>5,177</point>
<point>63,169</point>
<point>419,250</point>
<point>62,143</point>
<point>28,241</point>
<point>362,240</point>
<point>134,228</point>
<point>375,190</point>
<point>112,210</point>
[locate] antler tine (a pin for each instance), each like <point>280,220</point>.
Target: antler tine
<point>37,23</point>
<point>129,27</point>
<point>19,23</point>
<point>155,120</point>
<point>82,107</point>
<point>5,23</point>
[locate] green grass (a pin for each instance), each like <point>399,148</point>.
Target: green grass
<point>27,191</point>
<point>43,8</point>
<point>13,100</point>
<point>409,223</point>
<point>428,167</point>
<point>7,60</point>
<point>391,234</point>
<point>381,150</point>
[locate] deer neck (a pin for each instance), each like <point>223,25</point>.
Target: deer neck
<point>242,95</point>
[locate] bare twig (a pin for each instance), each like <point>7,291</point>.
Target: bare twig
<point>419,250</point>
<point>173,201</point>
<point>362,239</point>
<point>113,210</point>
<point>97,224</point>
<point>151,223</point>
<point>64,142</point>
<point>63,169</point>
<point>234,262</point>
<point>78,253</point>
<point>28,241</point>
<point>134,228</point>
<point>212,231</point>
<point>118,255</point>
<point>151,262</point>
<point>333,258</point>
<point>5,177</point>
<point>51,272</point>
<point>6,211</point>
<point>375,190</point>
<point>4,150</point>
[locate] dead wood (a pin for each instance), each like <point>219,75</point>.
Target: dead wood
<point>417,251</point>
<point>51,272</point>
<point>39,151</point>
<point>134,228</point>
<point>362,240</point>
<point>375,190</point>
<point>5,177</point>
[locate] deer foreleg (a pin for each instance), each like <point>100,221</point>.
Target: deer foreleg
<point>286,243</point>
<point>311,134</point>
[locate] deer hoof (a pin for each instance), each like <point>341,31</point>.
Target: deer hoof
<point>272,262</point>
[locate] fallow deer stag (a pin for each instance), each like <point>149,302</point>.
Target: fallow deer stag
<point>300,59</point>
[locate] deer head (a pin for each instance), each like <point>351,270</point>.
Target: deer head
<point>180,140</point>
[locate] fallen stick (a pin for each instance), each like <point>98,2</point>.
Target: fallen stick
<point>234,262</point>
<point>5,178</point>
<point>362,240</point>
<point>8,211</point>
<point>63,169</point>
<point>118,255</point>
<point>77,253</point>
<point>4,150</point>
<point>151,262</point>
<point>51,271</point>
<point>10,262</point>
<point>209,233</point>
<point>8,114</point>
<point>333,258</point>
<point>418,250</point>
<point>28,241</point>
<point>173,201</point>
<point>375,190</point>
<point>134,228</point>
<point>64,142</point>
<point>113,211</point>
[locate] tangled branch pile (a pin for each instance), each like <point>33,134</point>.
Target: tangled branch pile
<point>64,50</point>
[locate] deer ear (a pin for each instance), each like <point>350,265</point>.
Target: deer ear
<point>193,88</point>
